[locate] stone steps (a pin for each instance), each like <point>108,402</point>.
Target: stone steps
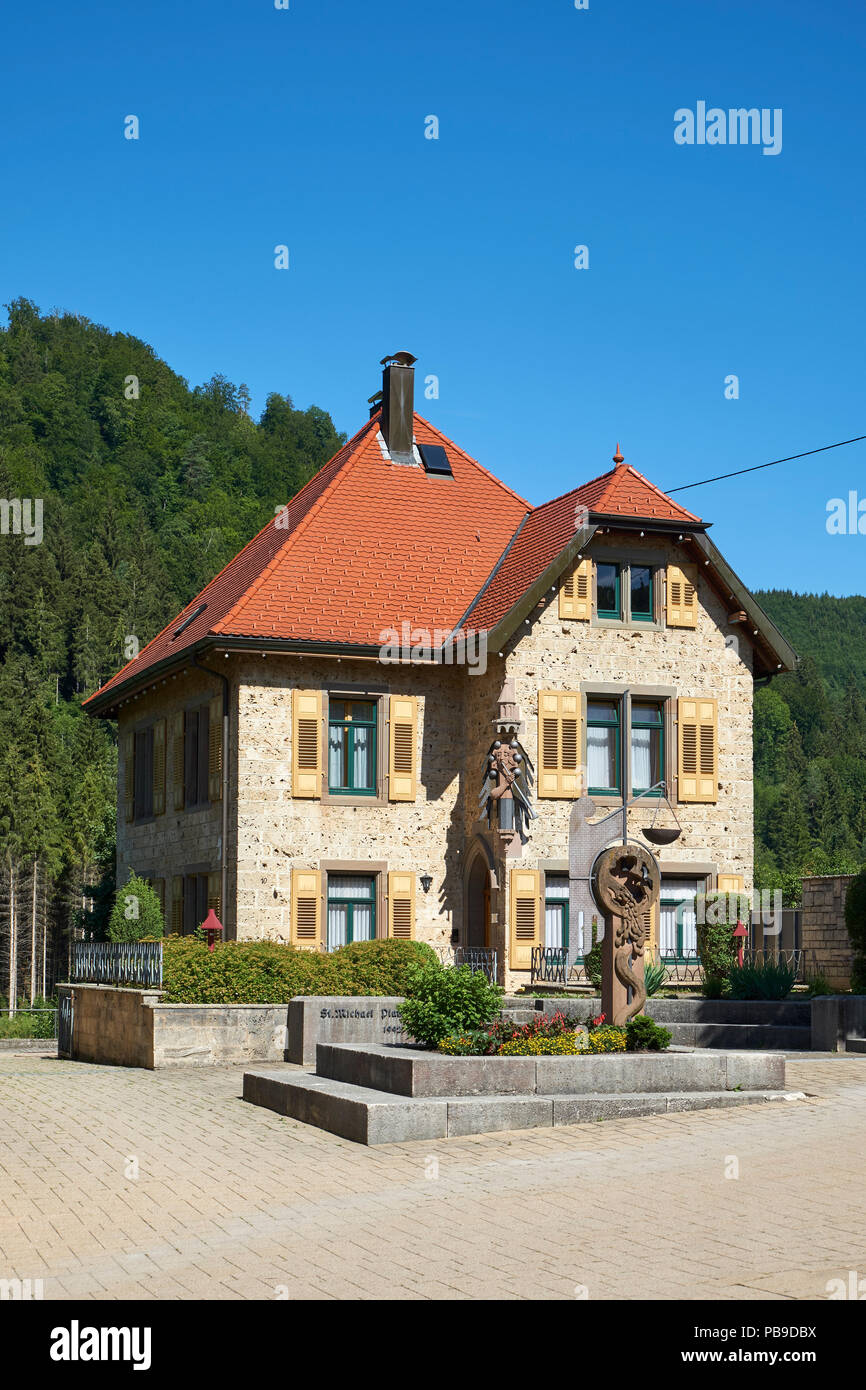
<point>758,1036</point>
<point>855,1044</point>
<point>371,1117</point>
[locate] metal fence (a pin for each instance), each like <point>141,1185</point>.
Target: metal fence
<point>478,960</point>
<point>551,966</point>
<point>117,963</point>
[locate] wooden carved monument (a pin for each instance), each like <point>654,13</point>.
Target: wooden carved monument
<point>626,885</point>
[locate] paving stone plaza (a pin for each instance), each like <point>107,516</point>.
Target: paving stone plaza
<point>119,1183</point>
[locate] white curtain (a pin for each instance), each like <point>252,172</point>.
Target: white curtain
<point>354,887</point>
<point>363,748</point>
<point>338,925</point>
<point>600,757</point>
<point>554,920</point>
<point>641,760</point>
<point>335,756</point>
<point>678,899</point>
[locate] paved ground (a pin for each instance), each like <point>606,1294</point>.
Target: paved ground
<point>120,1184</point>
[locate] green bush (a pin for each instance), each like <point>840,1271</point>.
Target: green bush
<point>136,913</point>
<point>858,975</point>
<point>444,1000</point>
<point>717,952</point>
<point>769,980</point>
<point>643,1035</point>
<point>819,985</point>
<point>592,960</point>
<point>269,972</point>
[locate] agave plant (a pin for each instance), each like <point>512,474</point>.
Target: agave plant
<point>654,976</point>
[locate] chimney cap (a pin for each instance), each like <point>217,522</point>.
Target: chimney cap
<point>399,359</point>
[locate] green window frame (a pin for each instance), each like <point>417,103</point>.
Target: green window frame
<point>635,614</point>
<point>553,901</point>
<point>349,749</point>
<point>360,901</point>
<point>605,714</point>
<point>616,578</point>
<point>649,714</point>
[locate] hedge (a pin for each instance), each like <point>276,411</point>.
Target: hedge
<point>268,972</point>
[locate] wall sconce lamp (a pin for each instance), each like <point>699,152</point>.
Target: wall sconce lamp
<point>426,881</point>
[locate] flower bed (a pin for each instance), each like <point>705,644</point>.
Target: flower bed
<point>556,1034</point>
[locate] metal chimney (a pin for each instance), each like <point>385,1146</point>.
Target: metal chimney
<point>398,404</point>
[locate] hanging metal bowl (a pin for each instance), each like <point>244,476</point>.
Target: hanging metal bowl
<point>661,835</point>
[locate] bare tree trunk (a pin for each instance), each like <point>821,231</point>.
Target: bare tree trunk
<point>33,937</point>
<point>13,945</point>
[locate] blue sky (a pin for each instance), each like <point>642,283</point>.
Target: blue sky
<point>306,127</point>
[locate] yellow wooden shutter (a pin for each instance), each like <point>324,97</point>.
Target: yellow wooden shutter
<point>730,883</point>
<point>559,743</point>
<point>650,923</point>
<point>215,750</point>
<point>402,744</point>
<point>159,767</point>
<point>127,752</point>
<point>158,885</point>
<point>697,763</point>
<point>575,594</point>
<point>306,927</point>
<point>682,596</point>
<point>524,917</point>
<point>401,906</point>
<point>175,733</point>
<point>307,743</point>
<point>214,893</point>
<point>177,904</point>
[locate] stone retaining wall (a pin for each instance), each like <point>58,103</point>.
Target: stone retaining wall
<point>823,933</point>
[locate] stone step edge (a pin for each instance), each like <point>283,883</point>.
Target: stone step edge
<point>379,1117</point>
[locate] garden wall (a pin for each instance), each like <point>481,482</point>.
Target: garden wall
<point>131,1028</point>
<point>823,933</point>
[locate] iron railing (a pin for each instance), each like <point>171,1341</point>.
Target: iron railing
<point>117,963</point>
<point>65,1023</point>
<point>477,959</point>
<point>550,965</point>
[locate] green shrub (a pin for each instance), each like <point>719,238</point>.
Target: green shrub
<point>270,972</point>
<point>654,976</point>
<point>444,1000</point>
<point>27,1024</point>
<point>769,980</point>
<point>717,952</point>
<point>819,985</point>
<point>858,975</point>
<point>644,1035</point>
<point>136,913</point>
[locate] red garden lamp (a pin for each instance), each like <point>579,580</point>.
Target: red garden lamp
<point>212,928</point>
<point>739,933</point>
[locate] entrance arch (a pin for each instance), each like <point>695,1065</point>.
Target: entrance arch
<point>478,904</point>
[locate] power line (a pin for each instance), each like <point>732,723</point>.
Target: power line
<point>739,472</point>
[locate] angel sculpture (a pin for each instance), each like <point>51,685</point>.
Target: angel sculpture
<point>508,779</point>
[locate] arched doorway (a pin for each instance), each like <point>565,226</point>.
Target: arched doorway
<point>478,905</point>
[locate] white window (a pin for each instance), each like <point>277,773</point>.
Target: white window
<point>678,918</point>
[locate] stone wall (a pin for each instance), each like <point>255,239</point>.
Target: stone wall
<point>823,934</point>
<point>131,1028</point>
<point>177,842</point>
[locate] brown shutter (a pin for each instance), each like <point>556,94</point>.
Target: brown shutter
<point>159,767</point>
<point>682,596</point>
<point>402,746</point>
<point>575,594</point>
<point>559,743</point>
<point>650,923</point>
<point>214,893</point>
<point>175,734</point>
<point>697,763</point>
<point>215,750</point>
<point>306,927</point>
<point>401,906</point>
<point>159,889</point>
<point>524,917</point>
<point>307,743</point>
<point>177,905</point>
<point>127,753</point>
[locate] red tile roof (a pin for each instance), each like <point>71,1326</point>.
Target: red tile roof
<point>368,545</point>
<point>549,528</point>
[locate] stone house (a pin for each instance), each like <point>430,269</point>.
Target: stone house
<point>304,748</point>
